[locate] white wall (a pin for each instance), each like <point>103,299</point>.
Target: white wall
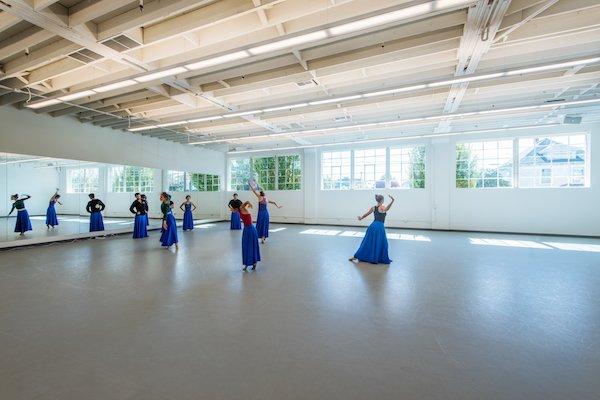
<point>441,205</point>
<point>24,132</point>
<point>16,178</point>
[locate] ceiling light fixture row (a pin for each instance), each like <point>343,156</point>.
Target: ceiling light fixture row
<point>406,121</point>
<point>290,42</point>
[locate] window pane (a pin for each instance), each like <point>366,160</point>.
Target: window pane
<point>288,172</point>
<point>553,161</point>
<point>239,174</point>
<point>83,180</point>
<point>176,181</point>
<point>130,179</point>
<point>264,172</point>
<point>486,164</point>
<point>369,169</point>
<point>407,167</point>
<point>335,170</point>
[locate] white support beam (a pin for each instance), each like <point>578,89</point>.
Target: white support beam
<point>20,42</point>
<point>41,4</point>
<point>526,16</point>
<point>45,55</point>
<point>7,20</point>
<point>85,11</point>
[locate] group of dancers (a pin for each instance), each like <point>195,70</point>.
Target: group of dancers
<point>373,248</point>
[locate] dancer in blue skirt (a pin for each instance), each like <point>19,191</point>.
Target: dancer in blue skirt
<point>138,208</point>
<point>23,223</point>
<point>250,248</point>
<point>168,235</point>
<point>234,206</point>
<point>95,207</point>
<point>51,218</point>
<point>188,209</point>
<point>145,202</point>
<point>262,219</point>
<point>374,246</point>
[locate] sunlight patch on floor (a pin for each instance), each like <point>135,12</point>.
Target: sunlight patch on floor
<point>321,232</point>
<point>277,230</point>
<point>508,243</point>
<point>595,248</point>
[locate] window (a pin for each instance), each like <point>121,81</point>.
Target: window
<point>239,174</point>
<point>212,183</point>
<point>127,179</point>
<point>407,167</point>
<point>486,164</point>
<point>196,182</point>
<point>335,170</point>
<point>553,161</point>
<point>264,170</point>
<point>289,172</point>
<point>176,181</point>
<point>369,169</point>
<point>271,173</point>
<point>82,180</point>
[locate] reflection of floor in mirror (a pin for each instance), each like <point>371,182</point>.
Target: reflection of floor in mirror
<point>67,225</point>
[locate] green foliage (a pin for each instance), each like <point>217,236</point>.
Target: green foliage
<point>417,167</point>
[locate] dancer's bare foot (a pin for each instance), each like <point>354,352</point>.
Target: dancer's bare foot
<point>254,267</point>
<point>353,259</point>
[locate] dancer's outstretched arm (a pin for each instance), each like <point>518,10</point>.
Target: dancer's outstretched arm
<point>276,205</point>
<point>387,208</point>
<point>365,215</point>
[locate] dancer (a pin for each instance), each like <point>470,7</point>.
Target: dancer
<point>95,207</point>
<point>145,202</point>
<point>250,247</point>
<point>168,236</point>
<point>188,217</point>
<point>234,206</point>
<point>23,223</point>
<point>140,230</point>
<point>262,219</point>
<point>51,218</point>
<point>374,246</point>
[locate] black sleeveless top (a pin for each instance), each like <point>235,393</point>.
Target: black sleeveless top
<point>379,216</point>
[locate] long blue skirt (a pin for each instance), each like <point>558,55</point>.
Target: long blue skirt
<point>250,247</point>
<point>147,219</point>
<point>188,220</point>
<point>23,223</point>
<point>96,222</point>
<point>262,223</point>
<point>236,221</point>
<point>374,246</point>
<point>51,218</point>
<point>139,227</point>
<point>168,236</point>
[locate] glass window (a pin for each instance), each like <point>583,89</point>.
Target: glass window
<point>176,181</point>
<point>264,172</point>
<point>239,174</point>
<point>83,180</point>
<point>289,172</point>
<point>369,169</point>
<point>131,179</point>
<point>212,183</point>
<point>486,164</point>
<point>335,170</point>
<point>196,182</point>
<point>553,161</point>
<point>407,167</point>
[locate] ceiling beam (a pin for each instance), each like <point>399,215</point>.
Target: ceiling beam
<point>7,20</point>
<point>87,10</point>
<point>20,42</point>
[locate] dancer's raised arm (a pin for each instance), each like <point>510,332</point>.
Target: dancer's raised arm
<point>365,215</point>
<point>387,208</point>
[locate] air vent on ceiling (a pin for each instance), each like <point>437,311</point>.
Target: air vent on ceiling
<point>306,84</point>
<point>121,43</point>
<point>85,56</point>
<point>572,119</point>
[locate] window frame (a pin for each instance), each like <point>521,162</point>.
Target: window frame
<point>69,186</point>
<point>514,175</point>
<point>234,185</point>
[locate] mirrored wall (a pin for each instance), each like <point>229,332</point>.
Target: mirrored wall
<point>46,187</point>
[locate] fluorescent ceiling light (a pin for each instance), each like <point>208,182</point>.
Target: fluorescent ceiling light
<point>286,43</point>
<point>191,121</point>
<point>396,90</point>
<point>335,100</point>
<point>160,74</point>
<point>466,79</point>
<point>78,95</point>
<point>381,19</point>
<point>114,86</point>
<point>142,128</point>
<point>238,55</point>
<point>171,124</point>
<point>41,104</point>
<point>241,114</point>
<point>553,66</point>
<point>292,106</point>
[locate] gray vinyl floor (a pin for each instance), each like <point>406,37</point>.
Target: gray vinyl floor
<point>455,316</point>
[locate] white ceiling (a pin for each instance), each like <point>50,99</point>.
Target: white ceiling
<point>55,48</point>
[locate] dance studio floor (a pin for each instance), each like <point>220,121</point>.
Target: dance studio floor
<point>455,316</point>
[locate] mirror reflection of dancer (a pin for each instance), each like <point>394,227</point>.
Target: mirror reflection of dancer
<point>188,217</point>
<point>262,219</point>
<point>138,208</point>
<point>51,218</point>
<point>374,246</point>
<point>234,206</point>
<point>23,223</point>
<point>168,235</point>
<point>95,207</point>
<point>250,247</point>
<point>145,202</point>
